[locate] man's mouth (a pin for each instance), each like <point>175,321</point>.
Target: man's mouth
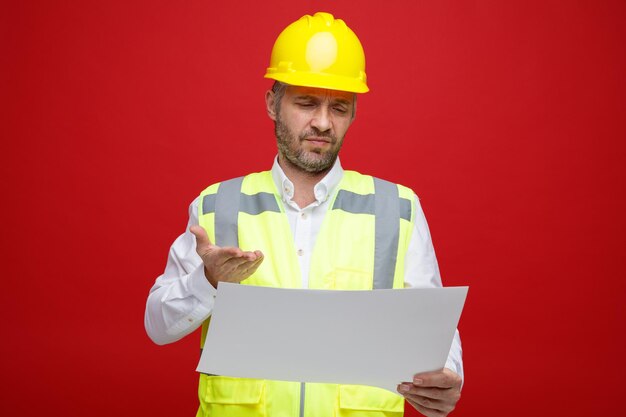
<point>316,140</point>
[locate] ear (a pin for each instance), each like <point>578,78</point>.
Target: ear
<point>269,104</point>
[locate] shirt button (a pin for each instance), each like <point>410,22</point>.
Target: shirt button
<point>300,252</point>
<point>303,215</point>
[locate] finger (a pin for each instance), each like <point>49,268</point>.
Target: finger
<point>202,238</point>
<point>235,263</point>
<point>430,403</point>
<point>250,256</point>
<point>228,254</point>
<point>224,255</point>
<point>435,398</point>
<point>428,412</point>
<point>258,256</point>
<point>247,268</point>
<point>253,266</point>
<point>434,393</point>
<point>241,262</point>
<point>441,379</point>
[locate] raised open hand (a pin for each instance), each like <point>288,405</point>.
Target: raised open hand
<point>227,264</point>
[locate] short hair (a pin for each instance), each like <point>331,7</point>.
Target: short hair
<point>279,89</point>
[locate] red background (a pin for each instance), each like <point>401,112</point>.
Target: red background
<point>507,119</point>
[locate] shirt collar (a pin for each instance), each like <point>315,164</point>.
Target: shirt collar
<point>322,190</point>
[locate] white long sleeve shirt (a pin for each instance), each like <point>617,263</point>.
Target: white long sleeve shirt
<point>182,298</point>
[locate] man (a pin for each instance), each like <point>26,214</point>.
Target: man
<point>307,223</point>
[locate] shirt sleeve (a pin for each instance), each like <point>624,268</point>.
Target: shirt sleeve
<point>421,271</point>
<point>182,298</point>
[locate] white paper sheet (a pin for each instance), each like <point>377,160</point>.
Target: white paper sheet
<point>378,338</point>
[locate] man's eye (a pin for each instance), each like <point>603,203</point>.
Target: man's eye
<point>305,104</point>
<point>340,110</point>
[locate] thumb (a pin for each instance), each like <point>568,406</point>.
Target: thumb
<point>202,239</point>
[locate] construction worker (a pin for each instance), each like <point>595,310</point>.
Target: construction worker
<point>306,223</point>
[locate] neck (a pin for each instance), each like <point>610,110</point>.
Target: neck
<point>303,182</point>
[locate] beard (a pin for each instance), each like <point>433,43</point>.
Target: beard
<point>314,161</point>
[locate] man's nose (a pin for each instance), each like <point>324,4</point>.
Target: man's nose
<point>321,119</point>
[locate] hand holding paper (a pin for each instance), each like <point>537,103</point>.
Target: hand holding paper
<point>433,393</point>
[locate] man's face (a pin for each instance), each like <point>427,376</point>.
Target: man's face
<point>310,126</point>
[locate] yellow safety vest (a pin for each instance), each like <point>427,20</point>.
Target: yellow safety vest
<point>366,216</point>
